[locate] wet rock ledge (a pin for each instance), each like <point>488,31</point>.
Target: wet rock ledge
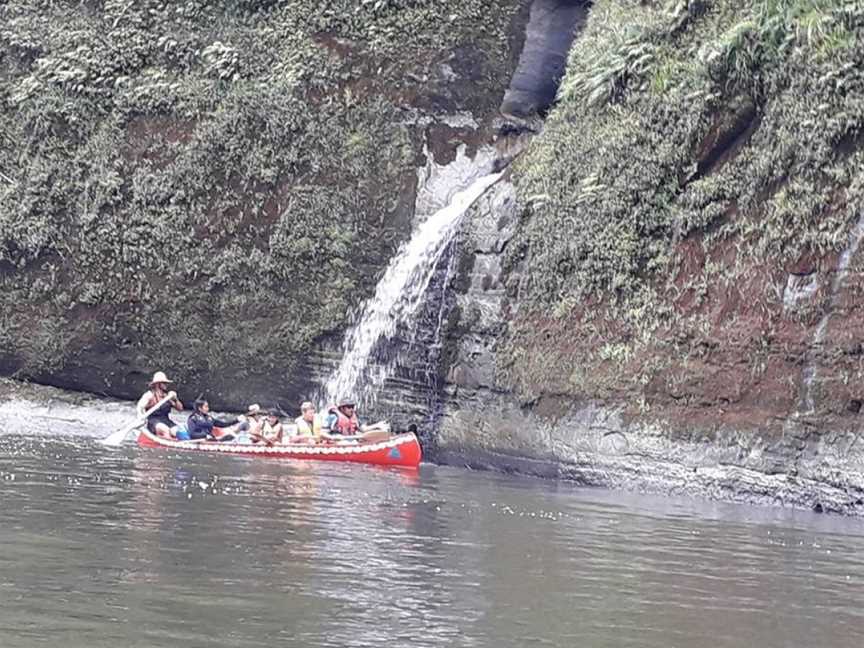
<point>485,423</point>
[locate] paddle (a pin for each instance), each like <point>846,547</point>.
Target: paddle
<point>116,438</point>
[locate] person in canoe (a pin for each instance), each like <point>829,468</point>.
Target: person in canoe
<point>254,419</point>
<point>308,424</point>
<point>270,432</point>
<point>202,425</point>
<point>342,419</point>
<point>159,422</point>
<point>249,427</point>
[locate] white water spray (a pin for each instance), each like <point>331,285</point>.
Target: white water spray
<point>397,297</point>
<point>811,370</point>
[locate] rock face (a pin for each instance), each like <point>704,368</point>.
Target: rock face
<point>665,295</point>
<point>548,37</point>
<point>668,297</point>
<point>595,442</point>
<point>406,357</point>
<point>211,188</point>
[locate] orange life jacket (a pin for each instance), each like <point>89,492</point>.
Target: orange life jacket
<point>345,425</point>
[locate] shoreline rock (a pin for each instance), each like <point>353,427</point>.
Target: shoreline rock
<point>805,462</point>
<point>588,449</point>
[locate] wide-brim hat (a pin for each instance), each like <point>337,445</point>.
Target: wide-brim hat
<point>254,408</point>
<point>347,402</point>
<point>160,377</point>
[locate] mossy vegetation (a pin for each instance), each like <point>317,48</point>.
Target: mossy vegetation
<point>210,186</point>
<point>699,150</point>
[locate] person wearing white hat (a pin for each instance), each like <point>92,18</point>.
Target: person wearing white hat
<point>159,422</point>
<point>250,424</point>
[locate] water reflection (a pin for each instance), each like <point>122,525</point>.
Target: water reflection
<point>150,548</point>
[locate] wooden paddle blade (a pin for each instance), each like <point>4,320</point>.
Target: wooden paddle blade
<point>118,437</point>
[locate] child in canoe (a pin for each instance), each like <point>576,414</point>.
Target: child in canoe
<point>270,430</point>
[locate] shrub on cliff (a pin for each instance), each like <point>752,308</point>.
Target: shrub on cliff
<point>722,134</point>
<point>207,185</point>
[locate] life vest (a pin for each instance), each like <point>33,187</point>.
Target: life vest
<point>271,432</point>
<point>304,429</point>
<point>345,425</point>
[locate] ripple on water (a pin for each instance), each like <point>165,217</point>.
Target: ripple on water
<point>146,548</point>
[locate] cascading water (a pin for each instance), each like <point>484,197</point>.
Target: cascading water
<point>810,373</point>
<point>397,297</point>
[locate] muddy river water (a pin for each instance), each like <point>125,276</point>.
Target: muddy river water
<point>129,547</point>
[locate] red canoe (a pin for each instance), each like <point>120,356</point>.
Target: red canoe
<point>398,450</point>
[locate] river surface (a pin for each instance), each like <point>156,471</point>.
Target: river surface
<point>129,547</point>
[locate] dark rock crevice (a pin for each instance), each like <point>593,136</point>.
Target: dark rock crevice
<point>731,131</point>
<point>551,30</point>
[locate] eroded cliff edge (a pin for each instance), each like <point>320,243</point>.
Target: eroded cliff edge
<point>667,295</point>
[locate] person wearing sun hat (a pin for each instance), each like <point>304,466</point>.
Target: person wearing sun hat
<point>250,424</point>
<point>159,422</point>
<point>254,417</point>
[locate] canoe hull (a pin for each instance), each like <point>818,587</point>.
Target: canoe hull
<point>400,450</point>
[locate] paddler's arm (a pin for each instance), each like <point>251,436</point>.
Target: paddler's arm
<point>327,426</point>
<point>326,433</point>
<point>175,402</point>
<point>142,405</point>
<point>260,438</point>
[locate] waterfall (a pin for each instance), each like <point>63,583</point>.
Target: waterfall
<point>810,373</point>
<point>397,297</point>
